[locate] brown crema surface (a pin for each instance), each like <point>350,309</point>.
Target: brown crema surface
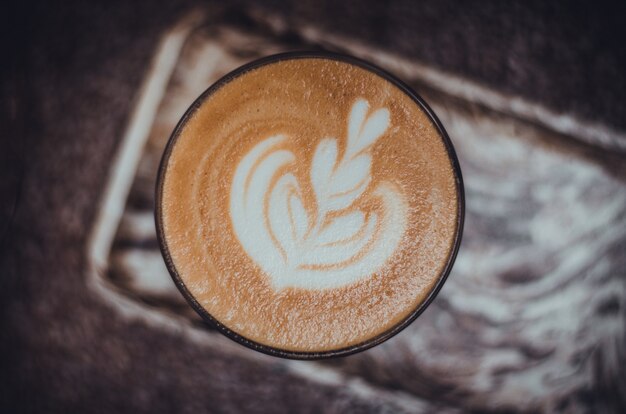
<point>305,99</point>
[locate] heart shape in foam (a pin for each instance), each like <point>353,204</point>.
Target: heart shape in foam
<point>333,243</point>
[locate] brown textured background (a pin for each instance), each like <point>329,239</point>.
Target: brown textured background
<point>69,77</point>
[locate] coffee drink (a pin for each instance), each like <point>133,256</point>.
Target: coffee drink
<point>309,204</point>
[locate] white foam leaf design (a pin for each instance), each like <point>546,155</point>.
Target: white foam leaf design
<point>351,176</point>
<point>328,255</point>
<point>322,166</point>
<point>342,200</point>
<point>331,243</point>
<point>362,132</point>
<point>280,228</point>
<point>357,118</point>
<point>342,228</point>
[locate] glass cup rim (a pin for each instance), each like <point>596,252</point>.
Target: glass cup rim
<point>309,355</point>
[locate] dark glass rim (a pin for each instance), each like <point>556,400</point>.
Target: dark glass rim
<point>303,355</point>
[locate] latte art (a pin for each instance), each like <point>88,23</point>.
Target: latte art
<point>332,243</point>
<point>308,205</point>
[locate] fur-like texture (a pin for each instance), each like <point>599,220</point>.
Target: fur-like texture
<point>566,55</point>
<point>532,318</point>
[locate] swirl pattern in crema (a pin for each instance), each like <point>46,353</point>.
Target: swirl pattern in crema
<point>309,204</point>
<point>331,243</point>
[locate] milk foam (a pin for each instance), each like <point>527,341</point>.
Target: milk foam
<point>364,201</point>
<point>332,243</point>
